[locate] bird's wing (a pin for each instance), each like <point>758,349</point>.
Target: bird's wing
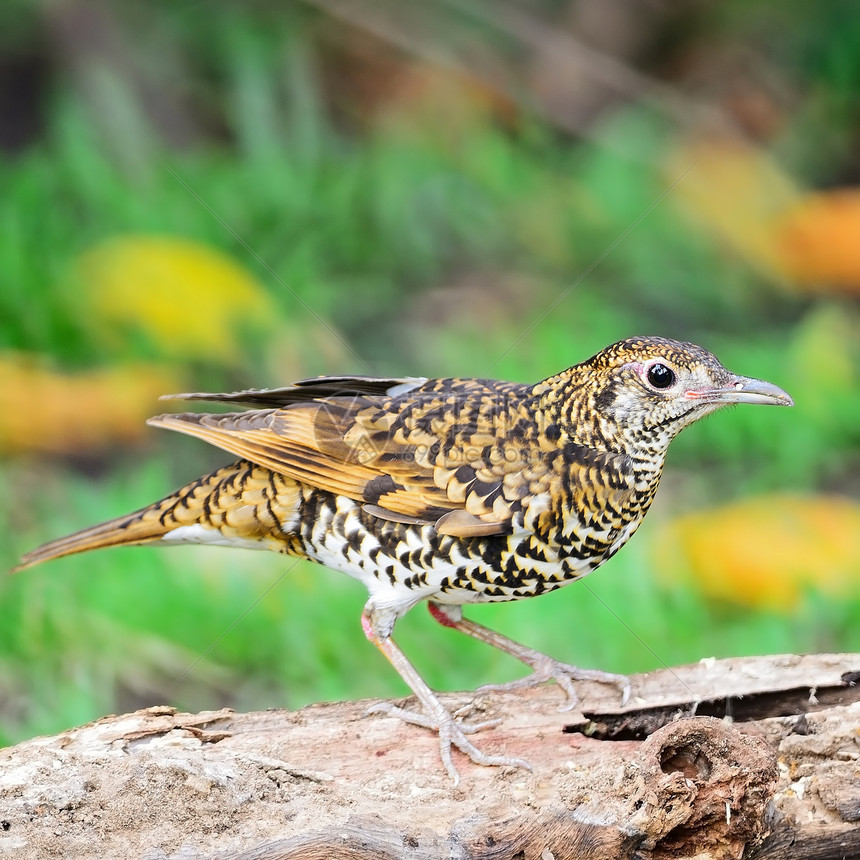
<point>456,457</point>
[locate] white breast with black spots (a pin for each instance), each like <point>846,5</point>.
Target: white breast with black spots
<point>397,573</point>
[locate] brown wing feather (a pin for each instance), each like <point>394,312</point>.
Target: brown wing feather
<point>261,445</point>
<point>439,460</point>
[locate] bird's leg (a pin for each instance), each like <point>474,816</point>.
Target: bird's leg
<point>544,668</point>
<point>436,716</point>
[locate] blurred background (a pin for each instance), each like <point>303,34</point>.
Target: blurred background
<point>212,195</point>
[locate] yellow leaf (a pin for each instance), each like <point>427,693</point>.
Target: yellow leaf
<point>188,298</point>
<point>45,411</point>
<point>737,192</point>
<point>767,551</point>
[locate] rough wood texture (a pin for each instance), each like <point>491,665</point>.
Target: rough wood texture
<point>779,782</point>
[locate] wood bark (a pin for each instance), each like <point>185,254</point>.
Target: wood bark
<point>750,757</point>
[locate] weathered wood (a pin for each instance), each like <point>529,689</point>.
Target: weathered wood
<point>653,780</point>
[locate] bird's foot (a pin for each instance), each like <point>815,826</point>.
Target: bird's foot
<point>543,668</point>
<point>547,669</point>
<point>416,718</point>
<point>452,733</point>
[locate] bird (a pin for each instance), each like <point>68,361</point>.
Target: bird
<point>451,491</point>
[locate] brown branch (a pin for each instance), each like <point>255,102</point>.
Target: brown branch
<point>779,782</point>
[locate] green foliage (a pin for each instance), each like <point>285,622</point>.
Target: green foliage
<point>564,246</point>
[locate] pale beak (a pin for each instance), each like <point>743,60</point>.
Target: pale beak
<point>742,389</point>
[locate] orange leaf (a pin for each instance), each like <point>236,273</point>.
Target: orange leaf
<point>45,411</point>
<point>819,240</point>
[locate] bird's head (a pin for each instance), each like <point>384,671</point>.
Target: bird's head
<point>645,390</point>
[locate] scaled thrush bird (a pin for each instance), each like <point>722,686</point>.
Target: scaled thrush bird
<point>452,491</point>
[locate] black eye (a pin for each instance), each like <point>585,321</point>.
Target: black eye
<point>661,376</point>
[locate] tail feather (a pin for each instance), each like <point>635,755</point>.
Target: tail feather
<point>237,505</point>
<point>140,527</point>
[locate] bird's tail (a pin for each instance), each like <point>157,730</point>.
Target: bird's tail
<point>238,505</point>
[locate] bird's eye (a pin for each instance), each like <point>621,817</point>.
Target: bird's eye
<point>661,376</point>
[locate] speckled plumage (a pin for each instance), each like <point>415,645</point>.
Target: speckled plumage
<point>451,490</point>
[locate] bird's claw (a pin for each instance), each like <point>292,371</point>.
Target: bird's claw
<point>564,675</point>
<point>416,718</point>
<point>452,733</point>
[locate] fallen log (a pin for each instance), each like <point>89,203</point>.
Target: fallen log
<point>747,757</point>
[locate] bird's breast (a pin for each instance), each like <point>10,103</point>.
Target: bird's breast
<point>589,513</point>
<point>557,536</point>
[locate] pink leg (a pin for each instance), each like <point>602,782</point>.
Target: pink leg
<point>436,716</point>
<point>544,668</point>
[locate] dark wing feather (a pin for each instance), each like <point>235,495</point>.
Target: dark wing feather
<point>321,387</point>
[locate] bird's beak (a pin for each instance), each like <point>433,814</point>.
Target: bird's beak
<point>742,389</point>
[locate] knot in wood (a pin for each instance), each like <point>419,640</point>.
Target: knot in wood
<point>703,789</point>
